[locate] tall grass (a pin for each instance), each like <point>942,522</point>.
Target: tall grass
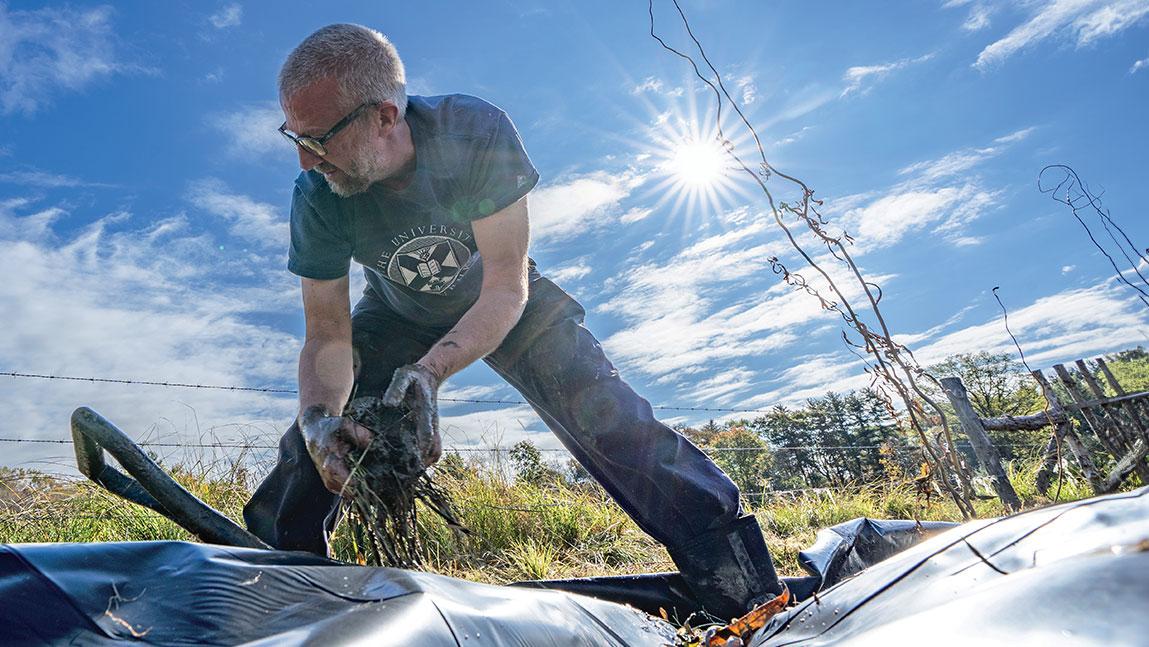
<point>517,530</point>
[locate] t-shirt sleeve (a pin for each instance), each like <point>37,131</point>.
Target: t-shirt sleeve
<point>321,246</point>
<point>501,173</point>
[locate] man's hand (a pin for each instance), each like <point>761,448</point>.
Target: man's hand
<point>417,387</point>
<point>329,440</point>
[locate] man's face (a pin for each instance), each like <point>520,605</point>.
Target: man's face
<point>353,161</point>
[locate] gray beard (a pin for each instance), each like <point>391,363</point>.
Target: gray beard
<point>349,186</point>
<point>360,174</point>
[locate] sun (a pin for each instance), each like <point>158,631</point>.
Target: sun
<point>697,164</point>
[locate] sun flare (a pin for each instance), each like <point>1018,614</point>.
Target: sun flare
<point>697,164</point>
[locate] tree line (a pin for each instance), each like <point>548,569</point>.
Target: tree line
<point>838,439</point>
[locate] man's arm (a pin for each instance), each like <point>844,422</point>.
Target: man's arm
<point>326,372</point>
<point>326,377</point>
<point>502,239</point>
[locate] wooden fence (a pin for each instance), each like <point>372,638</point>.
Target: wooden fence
<point>1118,422</point>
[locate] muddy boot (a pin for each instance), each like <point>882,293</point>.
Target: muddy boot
<point>729,570</point>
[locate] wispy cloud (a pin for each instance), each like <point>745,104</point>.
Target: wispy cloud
<point>978,19</point>
<point>747,88</point>
<point>570,272</point>
<point>1081,21</point>
<point>962,161</point>
<point>1054,328</point>
<point>47,52</point>
<point>141,302</point>
<point>794,136</point>
<point>577,203</point>
<point>859,76</point>
<point>228,16</point>
<point>263,224</point>
<point>705,310</point>
<point>654,85</point>
<point>44,180</point>
<point>253,131</point>
<point>1139,65</point>
<point>940,195</point>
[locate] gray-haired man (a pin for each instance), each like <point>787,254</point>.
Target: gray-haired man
<point>429,194</point>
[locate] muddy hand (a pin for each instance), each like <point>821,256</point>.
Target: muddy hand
<point>417,387</point>
<point>329,440</point>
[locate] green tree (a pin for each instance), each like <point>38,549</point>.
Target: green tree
<point>997,385</point>
<point>529,464</point>
<point>742,454</point>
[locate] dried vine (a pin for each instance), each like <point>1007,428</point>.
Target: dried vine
<point>1068,189</point>
<point>891,366</point>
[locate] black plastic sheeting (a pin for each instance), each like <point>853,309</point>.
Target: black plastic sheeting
<point>1076,573</point>
<point>175,593</point>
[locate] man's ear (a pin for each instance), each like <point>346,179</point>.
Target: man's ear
<point>387,114</point>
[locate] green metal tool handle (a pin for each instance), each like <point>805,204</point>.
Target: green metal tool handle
<point>152,487</point>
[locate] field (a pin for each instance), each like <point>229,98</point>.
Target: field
<point>519,529</point>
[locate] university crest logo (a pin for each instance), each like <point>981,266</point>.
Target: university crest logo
<point>428,263</point>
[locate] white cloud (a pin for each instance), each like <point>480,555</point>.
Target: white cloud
<point>263,224</point>
<point>1139,65</point>
<point>496,427</point>
<point>46,52</point>
<point>962,161</point>
<point>941,195</point>
<point>253,131</point>
<point>634,215</point>
<point>892,217</point>
<point>1056,328</point>
<point>749,89</point>
<point>46,180</point>
<point>570,272</point>
<point>794,136</point>
<point>146,303</point>
<point>978,18</point>
<point>857,76</point>
<point>229,16</point>
<point>1083,21</point>
<point>1066,269</point>
<point>654,85</point>
<point>578,203</point>
<point>675,331</point>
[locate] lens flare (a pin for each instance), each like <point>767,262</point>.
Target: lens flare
<point>697,164</point>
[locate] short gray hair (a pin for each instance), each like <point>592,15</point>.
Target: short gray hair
<point>364,64</point>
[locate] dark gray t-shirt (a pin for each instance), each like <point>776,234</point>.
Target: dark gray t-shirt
<point>416,244</point>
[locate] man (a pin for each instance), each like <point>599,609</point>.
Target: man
<point>429,194</point>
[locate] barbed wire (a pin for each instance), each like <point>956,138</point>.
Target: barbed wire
<point>505,449</point>
<point>257,389</point>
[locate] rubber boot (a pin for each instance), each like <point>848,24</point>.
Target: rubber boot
<point>729,569</point>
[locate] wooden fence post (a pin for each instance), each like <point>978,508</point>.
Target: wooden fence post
<point>982,447</point>
<point>1106,427</point>
<point>1068,438</point>
<point>1130,407</point>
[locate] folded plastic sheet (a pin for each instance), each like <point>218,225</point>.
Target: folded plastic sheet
<point>1075,573</point>
<point>175,593</point>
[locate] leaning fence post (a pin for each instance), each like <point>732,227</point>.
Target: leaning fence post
<point>982,447</point>
<point>1064,432</point>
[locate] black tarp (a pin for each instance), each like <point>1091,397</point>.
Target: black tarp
<point>1071,574</point>
<point>176,593</point>
<point>1076,573</point>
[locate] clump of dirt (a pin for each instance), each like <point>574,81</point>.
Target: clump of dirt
<point>388,480</point>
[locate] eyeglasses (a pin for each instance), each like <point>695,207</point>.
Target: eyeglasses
<point>316,145</point>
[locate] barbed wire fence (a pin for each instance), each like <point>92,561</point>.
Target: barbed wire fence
<point>496,452</point>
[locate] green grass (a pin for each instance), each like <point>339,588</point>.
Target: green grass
<point>517,530</point>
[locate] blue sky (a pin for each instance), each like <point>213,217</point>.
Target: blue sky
<point>144,192</point>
